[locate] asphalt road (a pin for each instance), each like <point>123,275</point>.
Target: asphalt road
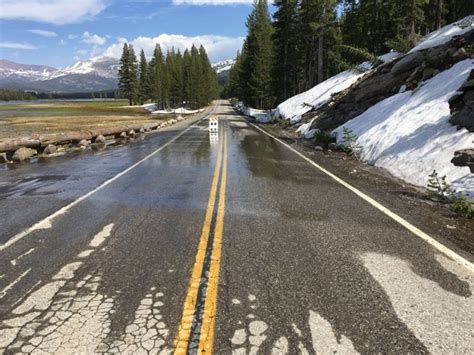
<point>189,241</point>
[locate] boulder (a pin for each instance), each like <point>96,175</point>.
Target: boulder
<point>142,130</point>
<point>50,149</point>
<point>23,154</point>
<point>407,63</point>
<point>100,139</point>
<point>318,148</point>
<point>123,135</point>
<point>464,157</point>
<point>83,143</point>
<point>460,54</point>
<point>131,133</point>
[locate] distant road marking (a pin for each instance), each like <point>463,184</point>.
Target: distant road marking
<point>3,292</point>
<point>15,261</point>
<point>419,233</point>
<point>48,220</point>
<point>189,308</point>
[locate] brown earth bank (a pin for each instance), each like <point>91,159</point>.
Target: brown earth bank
<point>408,201</point>
<point>13,127</point>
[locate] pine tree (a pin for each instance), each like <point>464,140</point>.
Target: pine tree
<point>144,81</point>
<point>257,66</point>
<point>173,66</point>
<point>128,81</point>
<point>208,78</point>
<point>197,86</point>
<point>320,32</point>
<point>286,63</point>
<point>187,78</point>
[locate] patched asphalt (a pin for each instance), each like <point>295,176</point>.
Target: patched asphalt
<point>306,266</point>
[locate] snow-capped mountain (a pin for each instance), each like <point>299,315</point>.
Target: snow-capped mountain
<point>90,75</point>
<point>222,69</point>
<point>105,67</point>
<point>223,65</point>
<point>96,74</point>
<point>11,71</point>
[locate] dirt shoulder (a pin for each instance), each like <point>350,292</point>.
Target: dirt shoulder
<point>408,201</point>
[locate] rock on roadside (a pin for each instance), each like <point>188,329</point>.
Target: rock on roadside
<point>23,154</point>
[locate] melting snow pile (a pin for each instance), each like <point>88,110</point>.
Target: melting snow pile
<point>445,34</point>
<point>409,134</point>
<point>261,116</point>
<point>293,108</point>
<point>181,111</point>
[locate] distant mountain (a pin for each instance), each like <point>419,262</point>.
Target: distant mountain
<point>222,69</point>
<point>14,72</point>
<point>96,74</point>
<point>91,75</point>
<point>105,67</point>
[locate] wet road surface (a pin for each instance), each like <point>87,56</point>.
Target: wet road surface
<point>223,243</point>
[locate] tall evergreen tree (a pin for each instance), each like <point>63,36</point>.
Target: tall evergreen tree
<point>128,81</point>
<point>208,78</point>
<point>197,86</point>
<point>286,63</point>
<point>187,78</point>
<point>144,79</point>
<point>257,65</point>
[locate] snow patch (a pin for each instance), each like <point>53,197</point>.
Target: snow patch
<point>180,110</point>
<point>296,106</point>
<point>445,34</point>
<point>409,134</point>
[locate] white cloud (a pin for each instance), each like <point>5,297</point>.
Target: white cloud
<point>212,2</point>
<point>44,33</point>
<point>51,11</point>
<point>71,36</point>
<point>93,39</point>
<point>14,45</point>
<point>217,47</point>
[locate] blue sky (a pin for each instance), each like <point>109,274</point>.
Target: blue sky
<point>60,32</point>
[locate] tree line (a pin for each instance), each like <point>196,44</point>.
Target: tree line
<point>15,95</point>
<point>171,80</point>
<point>308,41</point>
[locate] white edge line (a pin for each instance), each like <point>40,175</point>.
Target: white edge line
<point>419,233</point>
<point>64,209</point>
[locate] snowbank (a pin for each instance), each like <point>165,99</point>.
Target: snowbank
<point>180,110</point>
<point>261,116</point>
<point>409,133</point>
<point>445,34</point>
<point>295,107</point>
<point>150,107</point>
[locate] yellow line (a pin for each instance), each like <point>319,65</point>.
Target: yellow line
<point>184,330</point>
<point>210,306</point>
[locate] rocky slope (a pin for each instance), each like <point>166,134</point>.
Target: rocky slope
<point>411,115</point>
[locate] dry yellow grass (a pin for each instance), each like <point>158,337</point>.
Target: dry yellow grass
<point>13,127</point>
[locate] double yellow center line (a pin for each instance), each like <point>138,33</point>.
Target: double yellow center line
<point>196,329</point>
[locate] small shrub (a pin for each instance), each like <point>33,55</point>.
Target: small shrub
<point>349,142</point>
<point>322,137</point>
<point>438,188</point>
<point>282,122</point>
<point>462,206</point>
